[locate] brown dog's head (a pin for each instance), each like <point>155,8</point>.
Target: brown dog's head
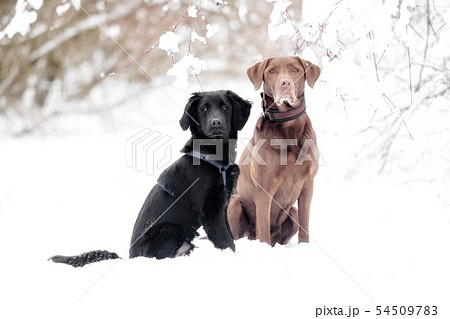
<point>284,78</point>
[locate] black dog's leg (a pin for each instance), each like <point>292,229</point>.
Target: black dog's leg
<point>234,172</point>
<point>215,222</point>
<point>165,240</point>
<point>218,232</point>
<point>214,219</point>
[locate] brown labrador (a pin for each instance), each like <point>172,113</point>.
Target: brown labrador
<point>281,160</point>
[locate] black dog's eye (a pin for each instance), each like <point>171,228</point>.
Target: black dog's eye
<point>295,70</point>
<point>225,107</point>
<point>204,108</point>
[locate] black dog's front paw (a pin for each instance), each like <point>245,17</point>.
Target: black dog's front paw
<point>232,181</point>
<point>233,247</point>
<point>234,170</point>
<point>224,244</point>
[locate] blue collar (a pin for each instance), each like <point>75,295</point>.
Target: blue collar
<point>205,157</point>
<point>164,187</point>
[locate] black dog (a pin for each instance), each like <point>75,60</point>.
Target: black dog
<point>195,190</point>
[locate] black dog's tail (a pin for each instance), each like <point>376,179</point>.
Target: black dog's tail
<point>85,258</point>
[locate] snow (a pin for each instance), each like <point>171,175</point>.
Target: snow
<point>310,32</point>
<point>113,31</point>
<point>20,23</point>
<point>401,27</point>
<point>169,42</point>
<point>192,11</point>
<point>180,70</point>
<point>243,10</point>
<point>76,4</point>
<point>35,4</point>
<point>71,192</point>
<point>279,25</point>
<point>210,31</point>
<point>196,37</point>
<point>60,10</point>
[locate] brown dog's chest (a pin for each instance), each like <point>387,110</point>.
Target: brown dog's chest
<point>289,160</point>
<point>288,140</point>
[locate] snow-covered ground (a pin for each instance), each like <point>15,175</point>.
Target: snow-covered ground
<point>375,240</point>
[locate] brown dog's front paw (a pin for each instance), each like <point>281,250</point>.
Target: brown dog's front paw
<point>265,240</point>
<point>303,237</point>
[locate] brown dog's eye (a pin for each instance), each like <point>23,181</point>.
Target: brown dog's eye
<point>272,71</point>
<point>295,70</point>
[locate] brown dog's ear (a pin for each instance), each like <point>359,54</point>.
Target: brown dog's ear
<point>256,72</point>
<point>312,71</point>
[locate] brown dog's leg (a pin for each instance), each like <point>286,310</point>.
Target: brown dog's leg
<point>236,218</point>
<point>304,205</point>
<point>287,229</point>
<point>290,226</point>
<point>263,205</point>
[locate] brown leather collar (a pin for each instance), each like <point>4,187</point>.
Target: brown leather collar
<point>280,116</point>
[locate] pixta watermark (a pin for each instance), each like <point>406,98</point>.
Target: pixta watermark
<point>150,151</point>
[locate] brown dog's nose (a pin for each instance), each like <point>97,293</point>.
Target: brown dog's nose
<point>285,83</point>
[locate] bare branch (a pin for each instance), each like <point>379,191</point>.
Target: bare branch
<point>375,64</point>
<point>72,32</point>
<point>399,115</point>
<point>439,29</point>
<point>419,83</point>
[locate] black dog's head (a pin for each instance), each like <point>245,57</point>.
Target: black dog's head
<point>215,114</point>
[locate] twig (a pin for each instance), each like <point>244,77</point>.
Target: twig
<point>382,54</point>
<point>343,99</point>
<point>440,28</point>
<point>137,58</point>
<point>198,80</point>
<point>296,49</point>
<point>415,31</point>
<point>399,115</point>
<point>385,155</point>
<point>439,195</point>
<point>194,28</point>
<point>373,116</point>
<point>409,67</point>
<point>416,180</point>
<point>375,64</point>
<point>345,47</point>
<point>321,27</point>
<point>182,16</point>
<point>419,83</point>
<point>174,27</point>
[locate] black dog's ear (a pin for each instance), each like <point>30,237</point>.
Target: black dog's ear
<point>190,111</point>
<point>241,110</point>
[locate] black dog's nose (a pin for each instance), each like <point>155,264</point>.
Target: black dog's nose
<point>216,122</point>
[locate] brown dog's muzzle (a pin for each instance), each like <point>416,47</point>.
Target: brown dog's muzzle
<point>285,91</point>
